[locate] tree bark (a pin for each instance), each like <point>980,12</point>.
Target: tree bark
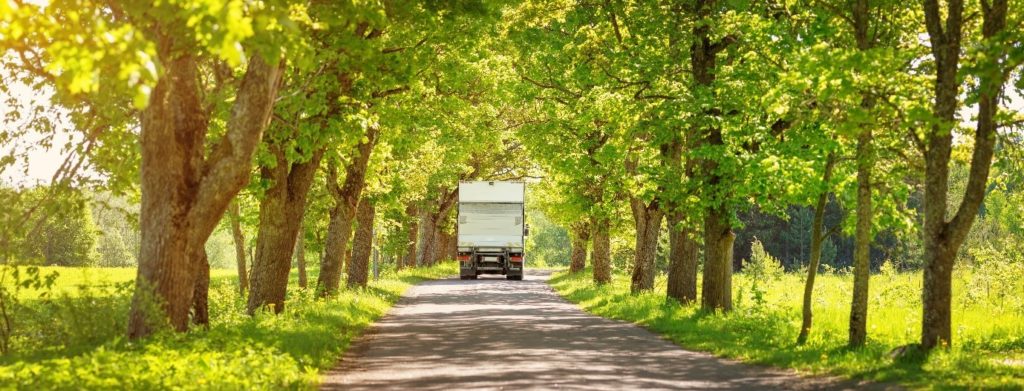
<point>200,298</point>
<point>281,212</point>
<point>413,234</point>
<point>184,191</point>
<point>448,248</point>
<point>339,230</point>
<point>300,258</point>
<point>817,239</point>
<point>682,269</point>
<point>239,238</point>
<point>362,245</point>
<point>716,293</point>
<point>602,251</point>
<point>426,235</point>
<point>579,237</point>
<point>862,242</point>
<point>683,246</point>
<point>647,218</point>
<point>430,240</point>
<point>943,239</point>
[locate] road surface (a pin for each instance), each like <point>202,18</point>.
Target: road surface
<point>496,334</point>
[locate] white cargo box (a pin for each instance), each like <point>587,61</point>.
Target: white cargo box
<point>491,214</point>
<point>495,192</point>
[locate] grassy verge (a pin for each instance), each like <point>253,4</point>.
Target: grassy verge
<point>988,347</point>
<point>76,341</point>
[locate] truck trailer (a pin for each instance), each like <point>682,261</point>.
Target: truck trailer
<point>492,229</point>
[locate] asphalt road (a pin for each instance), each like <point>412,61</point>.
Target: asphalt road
<point>497,334</point>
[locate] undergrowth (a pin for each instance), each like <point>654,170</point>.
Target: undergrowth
<point>75,339</point>
<point>987,351</point>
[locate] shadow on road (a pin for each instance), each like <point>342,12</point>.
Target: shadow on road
<point>492,333</point>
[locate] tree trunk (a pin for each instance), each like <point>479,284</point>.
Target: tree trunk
<point>943,239</point>
<point>602,251</point>
<point>362,245</point>
<point>862,236</point>
<point>682,269</point>
<point>817,239</point>
<point>683,250</point>
<point>414,228</point>
<point>339,230</point>
<point>449,246</point>
<point>300,258</point>
<point>239,238</point>
<point>648,226</point>
<point>426,237</point>
<point>185,192</point>
<point>444,222</point>
<point>579,236</point>
<point>430,239</point>
<point>200,298</point>
<point>716,293</point>
<point>281,211</point>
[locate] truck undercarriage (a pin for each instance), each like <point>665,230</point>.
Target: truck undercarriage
<point>475,262</point>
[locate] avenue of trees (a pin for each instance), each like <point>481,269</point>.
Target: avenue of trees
<point>313,133</point>
<point>873,119</point>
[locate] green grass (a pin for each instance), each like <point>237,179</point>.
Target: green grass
<point>75,340</point>
<point>95,280</point>
<point>988,348</point>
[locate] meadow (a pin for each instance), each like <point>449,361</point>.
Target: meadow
<point>73,338</point>
<point>988,319</point>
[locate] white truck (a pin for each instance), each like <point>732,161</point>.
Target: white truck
<point>491,229</point>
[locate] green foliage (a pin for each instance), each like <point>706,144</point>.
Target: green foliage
<point>988,348</point>
<point>66,239</point>
<point>762,266</point>
<point>548,243</point>
<point>55,228</point>
<point>762,271</point>
<point>117,222</point>
<point>72,341</point>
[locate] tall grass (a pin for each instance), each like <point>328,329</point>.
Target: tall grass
<point>96,280</point>
<point>988,342</point>
<point>74,340</point>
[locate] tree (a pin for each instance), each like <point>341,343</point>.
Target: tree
<point>580,237</point>
<point>67,237</point>
<point>346,197</point>
<point>817,239</point>
<point>942,237</point>
<point>362,245</point>
<point>238,237</point>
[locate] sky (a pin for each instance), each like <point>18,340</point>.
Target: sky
<point>42,162</point>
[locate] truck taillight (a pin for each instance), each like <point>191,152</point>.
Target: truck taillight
<point>463,258</point>
<point>516,259</point>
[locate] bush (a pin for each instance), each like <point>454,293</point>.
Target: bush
<point>75,339</point>
<point>762,266</point>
